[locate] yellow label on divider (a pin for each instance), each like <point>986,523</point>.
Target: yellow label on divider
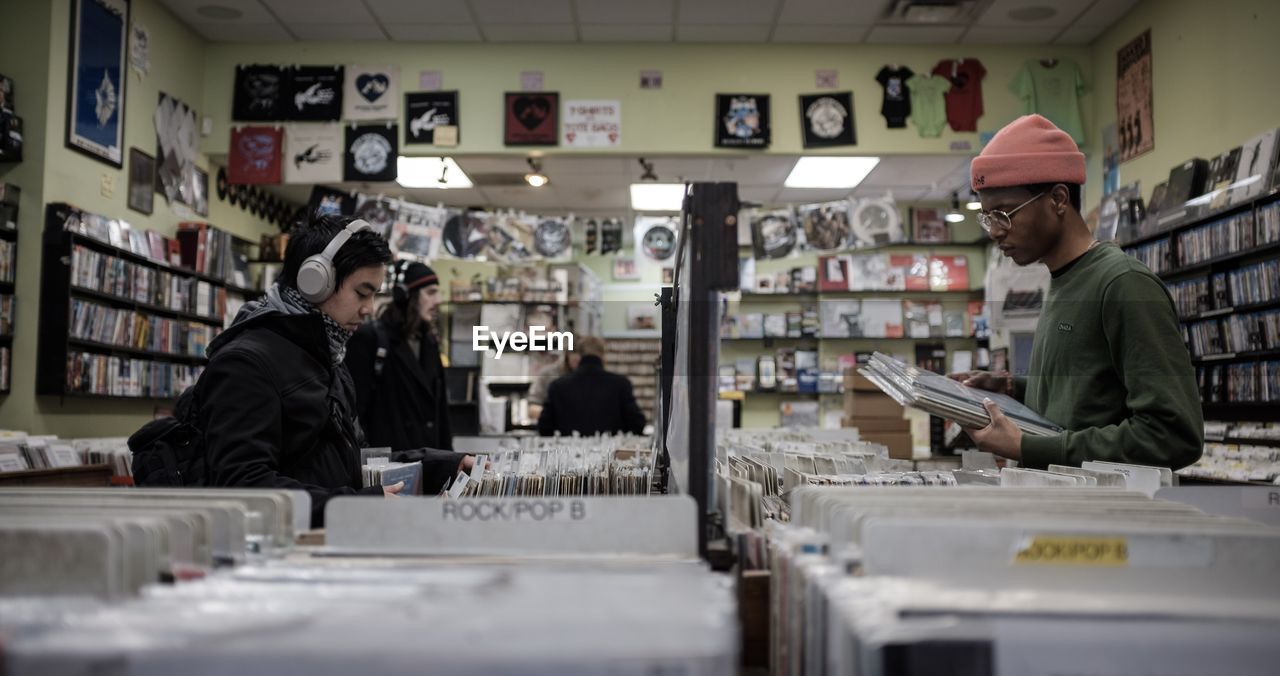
<point>1057,550</point>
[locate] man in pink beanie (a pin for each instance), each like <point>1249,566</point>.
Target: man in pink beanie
<point>1108,364</point>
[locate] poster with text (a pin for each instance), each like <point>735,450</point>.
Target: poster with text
<point>96,97</point>
<point>424,112</point>
<point>742,121</point>
<point>1133,98</point>
<point>592,124</point>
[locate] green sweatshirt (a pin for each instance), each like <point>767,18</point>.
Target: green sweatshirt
<point>1109,365</point>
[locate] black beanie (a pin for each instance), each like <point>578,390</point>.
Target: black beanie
<point>418,275</point>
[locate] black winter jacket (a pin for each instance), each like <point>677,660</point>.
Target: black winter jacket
<point>407,407</point>
<point>590,400</point>
<point>275,414</point>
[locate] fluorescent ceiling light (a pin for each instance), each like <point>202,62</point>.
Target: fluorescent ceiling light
<point>830,172</point>
<point>954,217</point>
<point>430,172</point>
<point>536,180</point>
<point>657,196</point>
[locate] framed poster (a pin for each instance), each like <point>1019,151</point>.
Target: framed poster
<point>929,226</point>
<point>372,153</point>
<point>625,270</point>
<point>424,112</point>
<point>1133,98</point>
<point>742,121</point>
<point>531,118</point>
<point>826,120</point>
<point>95,79</point>
<point>142,179</point>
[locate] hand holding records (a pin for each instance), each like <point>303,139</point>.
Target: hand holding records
<point>948,398</point>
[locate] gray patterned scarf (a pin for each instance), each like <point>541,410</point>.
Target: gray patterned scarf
<point>289,301</point>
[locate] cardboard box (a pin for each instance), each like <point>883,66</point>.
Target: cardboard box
<point>900,446</point>
<point>855,382</point>
<point>877,425</point>
<point>871,405</point>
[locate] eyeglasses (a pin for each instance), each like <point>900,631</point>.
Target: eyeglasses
<point>1003,220</point>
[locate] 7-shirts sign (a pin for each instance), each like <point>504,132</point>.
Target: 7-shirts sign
<point>593,124</point>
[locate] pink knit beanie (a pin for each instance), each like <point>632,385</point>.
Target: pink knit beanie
<point>1027,151</point>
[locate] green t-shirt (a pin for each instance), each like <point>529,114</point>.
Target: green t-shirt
<point>928,105</point>
<point>1109,365</point>
<point>1053,92</point>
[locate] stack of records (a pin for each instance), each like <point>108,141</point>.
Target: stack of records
<point>381,473</point>
<point>947,398</point>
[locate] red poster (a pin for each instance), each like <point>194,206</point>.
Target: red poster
<point>255,155</point>
<point>531,119</point>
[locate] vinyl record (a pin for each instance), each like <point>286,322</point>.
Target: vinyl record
<point>223,185</point>
<point>826,226</point>
<point>659,242</point>
<point>773,234</point>
<point>552,237</point>
<point>465,235</point>
<point>255,201</point>
<point>233,194</point>
<point>876,222</point>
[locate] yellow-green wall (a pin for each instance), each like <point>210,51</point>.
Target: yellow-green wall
<point>1214,72</point>
<point>678,119</point>
<point>34,51</point>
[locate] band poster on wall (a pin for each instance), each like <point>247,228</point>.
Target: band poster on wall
<point>1133,98</point>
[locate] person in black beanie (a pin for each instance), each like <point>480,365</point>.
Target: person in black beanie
<point>395,362</point>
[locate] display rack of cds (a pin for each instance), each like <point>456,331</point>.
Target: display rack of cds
<point>1223,273</point>
<point>115,323</point>
<point>8,302</point>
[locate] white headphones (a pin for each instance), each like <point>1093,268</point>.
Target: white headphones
<point>316,277</point>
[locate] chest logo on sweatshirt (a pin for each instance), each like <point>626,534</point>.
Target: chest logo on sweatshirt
<point>1064,327</point>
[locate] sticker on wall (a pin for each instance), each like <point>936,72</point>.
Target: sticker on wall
<point>315,93</point>
<point>371,93</point>
<point>140,49</point>
<point>827,120</point>
<point>742,121</point>
<point>531,119</point>
<point>259,93</point>
<point>372,151</point>
<point>312,153</point>
<point>254,156</point>
<point>424,112</point>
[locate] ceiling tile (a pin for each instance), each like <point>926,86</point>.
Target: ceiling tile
<point>515,12</point>
<point>914,35</point>
<point>1061,13</point>
<point>418,32</point>
<point>673,169</point>
<point>578,198</point>
<point>626,32</point>
<point>242,32</point>
<point>838,34</point>
<point>914,170</point>
<point>720,12</point>
<point>251,11</point>
<point>726,33</point>
<point>758,194</point>
<point>339,12</point>
<point>818,12</point>
<point>492,165</point>
<point>530,33</point>
<point>1080,35</point>
<point>1105,14</point>
<point>761,169</point>
<point>1025,35</point>
<point>623,11</point>
<point>420,11</point>
<point>589,166</point>
<point>337,32</point>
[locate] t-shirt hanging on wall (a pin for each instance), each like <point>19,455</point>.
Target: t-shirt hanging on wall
<point>259,93</point>
<point>312,153</point>
<point>254,156</point>
<point>372,152</point>
<point>1052,88</point>
<point>314,94</point>
<point>827,120</point>
<point>371,93</point>
<point>964,99</point>
<point>896,105</point>
<point>928,108</point>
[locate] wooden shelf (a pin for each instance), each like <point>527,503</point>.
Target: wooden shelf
<point>136,352</point>
<point>145,307</point>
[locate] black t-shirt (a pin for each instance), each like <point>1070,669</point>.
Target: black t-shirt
<point>896,107</point>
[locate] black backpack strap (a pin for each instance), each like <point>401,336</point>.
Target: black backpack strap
<point>384,348</point>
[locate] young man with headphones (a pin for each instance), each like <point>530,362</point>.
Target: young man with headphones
<point>276,404</point>
<point>395,363</point>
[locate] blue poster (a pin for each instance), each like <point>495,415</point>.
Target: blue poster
<point>97,74</point>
